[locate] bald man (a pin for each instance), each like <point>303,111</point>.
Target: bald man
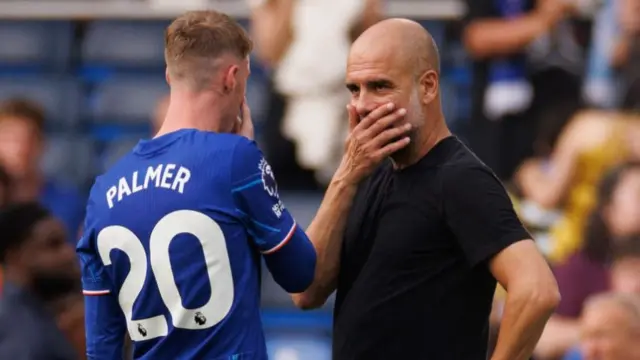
<point>414,250</point>
<point>610,327</point>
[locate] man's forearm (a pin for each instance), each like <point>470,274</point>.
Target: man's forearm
<point>486,37</point>
<point>326,232</point>
<point>559,335</point>
<point>524,320</point>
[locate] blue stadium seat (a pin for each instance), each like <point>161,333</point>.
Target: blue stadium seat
<point>127,99</point>
<point>60,96</point>
<point>40,45</point>
<point>436,29</point>
<point>449,100</point>
<point>69,158</point>
<point>298,347</point>
<point>123,43</point>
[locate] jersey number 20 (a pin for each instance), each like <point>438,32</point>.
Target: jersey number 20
<point>210,236</point>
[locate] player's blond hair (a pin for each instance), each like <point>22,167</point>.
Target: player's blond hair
<point>195,40</point>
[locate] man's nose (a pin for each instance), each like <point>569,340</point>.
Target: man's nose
<point>364,105</point>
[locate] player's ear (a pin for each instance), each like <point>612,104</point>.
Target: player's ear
<point>429,86</point>
<point>230,81</point>
<point>167,77</point>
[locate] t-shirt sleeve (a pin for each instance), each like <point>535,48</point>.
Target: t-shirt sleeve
<point>95,280</point>
<point>255,194</point>
<point>479,212</point>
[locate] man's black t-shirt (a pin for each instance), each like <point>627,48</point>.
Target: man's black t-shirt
<point>414,281</point>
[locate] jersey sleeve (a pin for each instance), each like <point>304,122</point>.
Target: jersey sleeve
<point>104,322</point>
<point>479,212</point>
<point>255,194</point>
<point>94,278</point>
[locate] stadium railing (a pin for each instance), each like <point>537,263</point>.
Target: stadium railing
<point>132,9</point>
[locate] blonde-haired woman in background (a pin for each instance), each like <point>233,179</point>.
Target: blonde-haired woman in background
<point>591,144</point>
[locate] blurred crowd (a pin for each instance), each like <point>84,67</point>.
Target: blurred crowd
<point>555,113</point>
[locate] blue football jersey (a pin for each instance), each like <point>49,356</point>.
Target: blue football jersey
<point>171,249</point>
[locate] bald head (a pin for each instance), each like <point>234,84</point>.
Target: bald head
<point>401,40</point>
<point>628,303</point>
<point>396,61</point>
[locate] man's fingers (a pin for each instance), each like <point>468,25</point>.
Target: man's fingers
<point>389,149</point>
<point>384,123</point>
<point>374,116</point>
<point>391,134</point>
<point>353,117</point>
<point>246,112</point>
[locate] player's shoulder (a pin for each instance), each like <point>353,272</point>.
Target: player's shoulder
<point>461,168</point>
<point>223,140</point>
<point>217,144</point>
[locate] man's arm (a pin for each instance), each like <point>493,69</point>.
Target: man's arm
<point>487,36</point>
<point>105,325</point>
<point>287,251</point>
<point>326,231</point>
<point>271,28</point>
<point>480,214</point>
<point>532,295</point>
<point>371,140</point>
<point>559,336</point>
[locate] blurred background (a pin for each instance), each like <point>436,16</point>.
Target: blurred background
<point>546,92</point>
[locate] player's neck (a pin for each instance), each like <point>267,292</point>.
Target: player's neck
<point>192,111</point>
<point>425,140</point>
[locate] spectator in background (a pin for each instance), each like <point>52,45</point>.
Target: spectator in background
<point>626,55</point>
<point>307,58</point>
<point>625,270</point>
<point>22,142</point>
<point>5,191</point>
<point>600,88</point>
<point>40,266</point>
<point>4,199</point>
<point>615,218</point>
<point>610,328</point>
<point>525,76</point>
<point>591,144</point>
<point>68,310</point>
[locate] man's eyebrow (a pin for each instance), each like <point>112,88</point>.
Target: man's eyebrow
<point>380,82</point>
<point>371,82</point>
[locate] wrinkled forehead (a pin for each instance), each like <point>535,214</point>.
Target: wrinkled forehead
<point>376,61</point>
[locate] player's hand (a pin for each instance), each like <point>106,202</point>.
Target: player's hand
<point>371,140</point>
<point>244,127</point>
